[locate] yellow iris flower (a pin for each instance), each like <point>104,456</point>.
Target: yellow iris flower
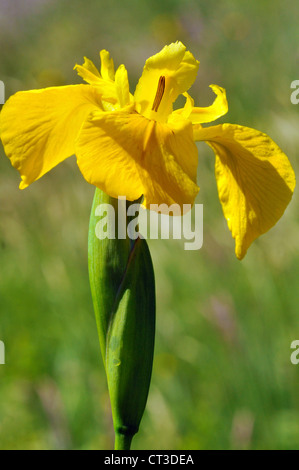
<point>137,145</point>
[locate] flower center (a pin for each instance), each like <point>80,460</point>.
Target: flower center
<point>159,93</point>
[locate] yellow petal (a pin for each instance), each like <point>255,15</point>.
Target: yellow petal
<point>38,128</point>
<point>105,154</point>
<point>186,110</point>
<point>179,68</point>
<point>105,86</point>
<point>125,154</point>
<point>169,169</point>
<point>209,113</point>
<point>107,66</point>
<point>122,86</point>
<point>88,71</point>
<point>254,177</point>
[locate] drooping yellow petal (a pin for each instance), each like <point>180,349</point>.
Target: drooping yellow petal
<point>125,154</point>
<point>105,154</point>
<point>209,113</point>
<point>254,177</point>
<point>179,69</point>
<point>38,128</point>
<point>169,169</point>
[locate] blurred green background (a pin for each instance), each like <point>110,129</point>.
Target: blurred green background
<point>222,375</point>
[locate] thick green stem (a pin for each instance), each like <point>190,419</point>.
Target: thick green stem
<point>123,441</point>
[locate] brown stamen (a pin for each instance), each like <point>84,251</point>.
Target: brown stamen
<point>159,94</point>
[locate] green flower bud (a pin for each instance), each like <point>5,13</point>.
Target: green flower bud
<point>107,261</point>
<point>123,290</point>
